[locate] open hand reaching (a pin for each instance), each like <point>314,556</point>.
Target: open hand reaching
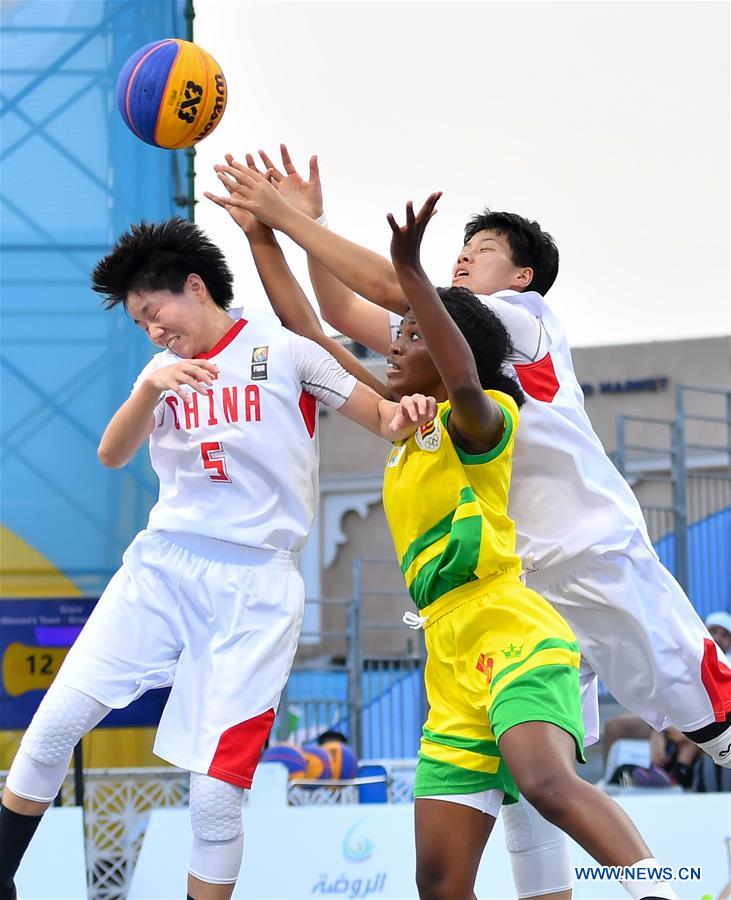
<point>406,239</point>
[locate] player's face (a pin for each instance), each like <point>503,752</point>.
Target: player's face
<point>409,368</point>
<point>485,266</point>
<point>172,321</point>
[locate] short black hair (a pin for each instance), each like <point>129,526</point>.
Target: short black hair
<point>529,244</point>
<point>488,339</point>
<point>157,257</point>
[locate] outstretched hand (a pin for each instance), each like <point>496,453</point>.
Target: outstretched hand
<point>306,196</point>
<point>246,220</point>
<point>406,239</point>
<point>250,190</point>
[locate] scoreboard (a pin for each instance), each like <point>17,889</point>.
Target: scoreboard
<point>35,636</point>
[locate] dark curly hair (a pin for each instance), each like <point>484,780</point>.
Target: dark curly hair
<point>487,337</point>
<point>160,257</point>
<point>529,244</point>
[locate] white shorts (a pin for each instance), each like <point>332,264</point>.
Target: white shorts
<point>488,802</point>
<point>589,688</point>
<point>641,635</point>
<point>217,621</point>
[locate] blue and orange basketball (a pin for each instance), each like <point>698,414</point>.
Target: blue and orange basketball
<point>318,761</point>
<point>342,759</point>
<point>289,756</point>
<point>171,93</point>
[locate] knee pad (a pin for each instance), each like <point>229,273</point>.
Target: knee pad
<point>539,852</point>
<point>218,829</point>
<point>215,808</point>
<point>33,780</point>
<point>63,718</point>
<point>216,862</point>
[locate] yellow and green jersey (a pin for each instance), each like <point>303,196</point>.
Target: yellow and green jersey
<point>448,509</point>
<point>498,654</point>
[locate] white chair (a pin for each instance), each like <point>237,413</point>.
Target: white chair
<point>626,753</point>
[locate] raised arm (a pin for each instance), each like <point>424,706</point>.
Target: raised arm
<point>360,269</point>
<point>339,305</point>
<point>476,421</point>
<point>285,294</point>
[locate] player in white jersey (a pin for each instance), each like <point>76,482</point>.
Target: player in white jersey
<point>209,598</point>
<point>580,529</point>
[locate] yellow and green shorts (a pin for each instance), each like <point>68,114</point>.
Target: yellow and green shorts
<point>498,654</point>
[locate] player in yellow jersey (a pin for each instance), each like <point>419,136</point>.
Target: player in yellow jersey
<point>502,666</point>
<point>502,670</point>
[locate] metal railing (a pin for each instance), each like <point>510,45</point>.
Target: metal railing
<point>371,693</point>
<point>118,802</point>
<point>681,471</point>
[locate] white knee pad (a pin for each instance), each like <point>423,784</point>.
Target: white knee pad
<point>63,718</point>
<point>539,852</point>
<point>216,862</point>
<point>218,829</point>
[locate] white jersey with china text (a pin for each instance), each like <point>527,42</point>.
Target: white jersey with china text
<point>239,463</point>
<point>566,497</point>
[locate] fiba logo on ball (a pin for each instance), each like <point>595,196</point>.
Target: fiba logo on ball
<point>171,93</point>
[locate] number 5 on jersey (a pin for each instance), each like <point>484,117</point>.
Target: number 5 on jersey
<point>214,458</point>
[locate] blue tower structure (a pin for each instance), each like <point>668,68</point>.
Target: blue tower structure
<point>73,178</point>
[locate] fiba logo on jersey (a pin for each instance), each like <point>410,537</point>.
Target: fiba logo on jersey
<point>429,436</point>
<point>259,362</point>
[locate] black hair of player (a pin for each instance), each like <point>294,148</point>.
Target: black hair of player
<point>158,257</point>
<point>529,244</point>
<point>488,339</point>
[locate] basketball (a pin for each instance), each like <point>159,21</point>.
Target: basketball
<point>342,759</point>
<point>171,93</point>
<point>318,761</point>
<point>288,756</point>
